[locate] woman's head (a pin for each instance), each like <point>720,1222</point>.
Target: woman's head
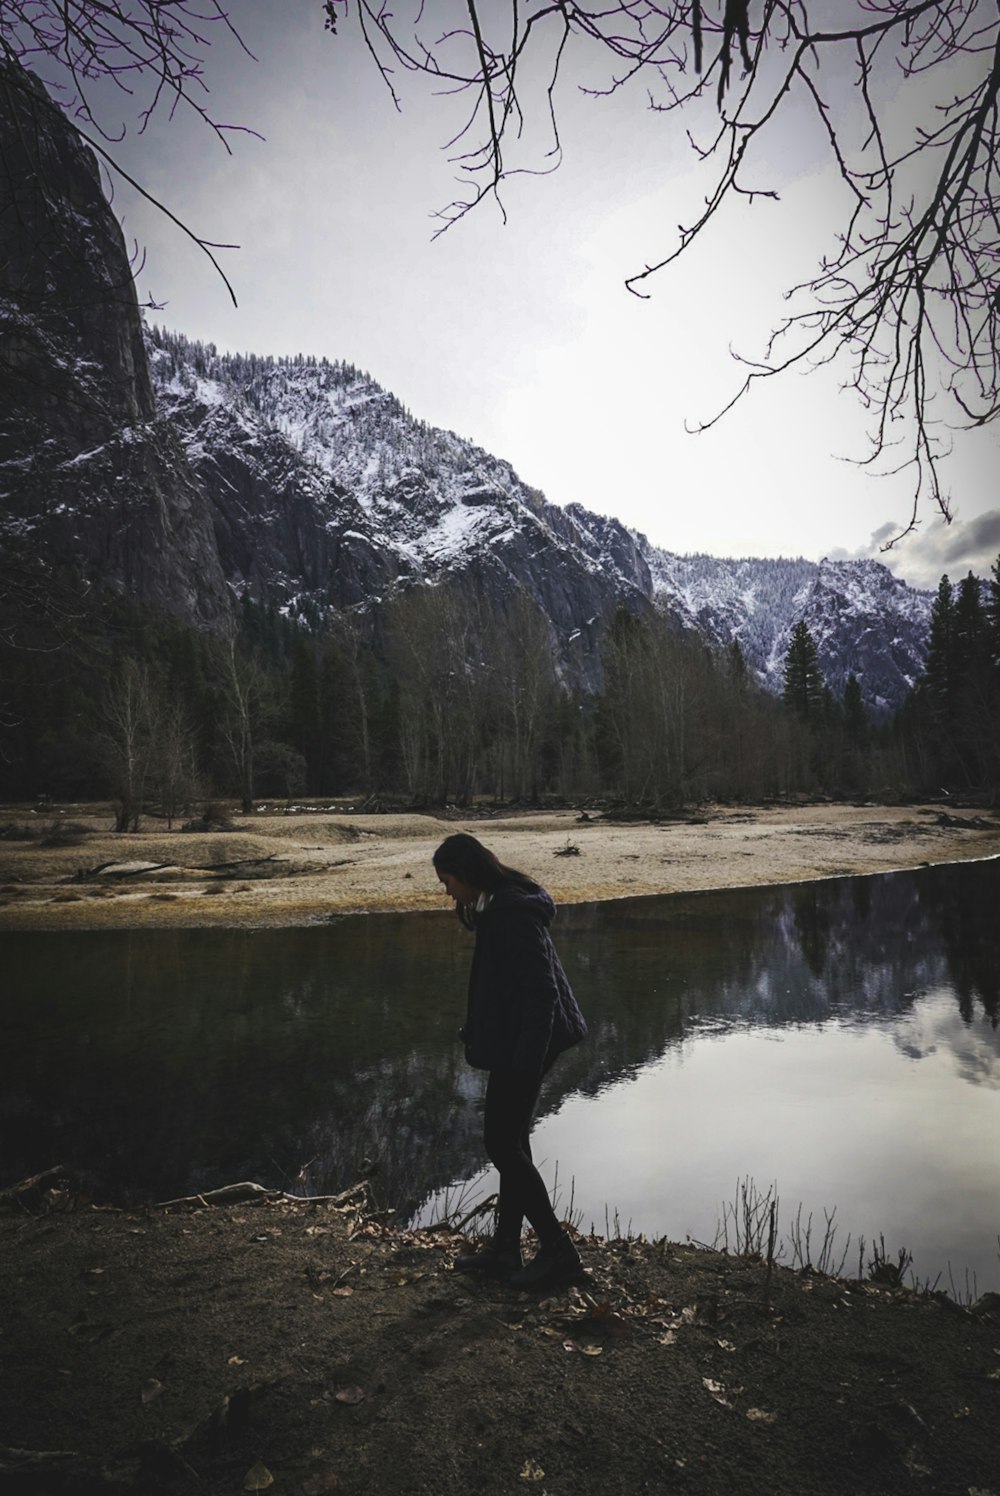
<point>468,869</point>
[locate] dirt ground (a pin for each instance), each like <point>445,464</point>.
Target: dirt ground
<point>306,1348</point>
<point>66,870</point>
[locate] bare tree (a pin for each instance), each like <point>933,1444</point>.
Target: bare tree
<point>906,96</point>
<point>127,737</point>
<point>175,761</point>
<point>434,643</point>
<point>519,650</point>
<point>242,715</point>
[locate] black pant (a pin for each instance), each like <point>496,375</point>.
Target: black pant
<point>511,1099</point>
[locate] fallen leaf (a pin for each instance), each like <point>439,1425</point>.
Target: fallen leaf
<point>95,1272</point>
<point>725,1345</point>
<point>758,1415</point>
<point>605,1320</point>
<point>547,1330</point>
<point>592,1350</point>
<point>151,1391</point>
<point>532,1471</point>
<point>258,1478</point>
<point>570,1345</point>
<point>342,1293</point>
<point>712,1385</point>
<point>236,1361</point>
<point>668,1339</point>
<point>350,1395</point>
<point>322,1480</point>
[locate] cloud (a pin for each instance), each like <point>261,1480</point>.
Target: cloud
<point>924,556</point>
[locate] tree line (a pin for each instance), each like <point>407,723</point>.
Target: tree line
<point>445,696</point>
<point>951,721</point>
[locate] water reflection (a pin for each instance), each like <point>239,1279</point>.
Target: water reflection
<point>159,1063</point>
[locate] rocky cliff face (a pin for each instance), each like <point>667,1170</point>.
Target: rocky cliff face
<point>327,493</point>
<point>88,474</point>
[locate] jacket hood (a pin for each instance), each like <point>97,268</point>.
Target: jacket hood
<point>535,902</point>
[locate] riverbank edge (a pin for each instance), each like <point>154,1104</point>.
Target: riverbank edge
<point>326,1348</point>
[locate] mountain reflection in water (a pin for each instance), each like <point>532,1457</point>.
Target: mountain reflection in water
<point>159,1063</point>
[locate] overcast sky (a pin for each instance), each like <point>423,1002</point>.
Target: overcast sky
<point>521,335</point>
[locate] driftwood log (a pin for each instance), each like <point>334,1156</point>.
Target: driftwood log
<point>247,1191</point>
<point>37,1190</point>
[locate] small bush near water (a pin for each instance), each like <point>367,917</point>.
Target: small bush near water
<point>748,1228</point>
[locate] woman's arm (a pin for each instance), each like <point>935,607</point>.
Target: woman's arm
<point>526,960</point>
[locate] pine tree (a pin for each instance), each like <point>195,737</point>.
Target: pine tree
<point>856,725</point>
<point>805,688</point>
<point>973,727</point>
<point>940,678</point>
<point>970,629</point>
<point>304,711</point>
<point>737,663</point>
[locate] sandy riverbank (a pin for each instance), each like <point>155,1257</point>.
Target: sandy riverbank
<point>299,868</point>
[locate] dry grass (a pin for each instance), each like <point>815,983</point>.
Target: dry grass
<point>292,869</point>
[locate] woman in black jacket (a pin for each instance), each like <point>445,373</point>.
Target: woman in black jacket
<point>521,1015</point>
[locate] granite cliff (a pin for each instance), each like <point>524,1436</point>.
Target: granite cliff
<point>89,474</point>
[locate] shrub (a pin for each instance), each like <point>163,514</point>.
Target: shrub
<point>64,834</point>
<point>214,817</point>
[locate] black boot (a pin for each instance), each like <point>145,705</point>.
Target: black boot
<point>495,1259</point>
<point>555,1263</point>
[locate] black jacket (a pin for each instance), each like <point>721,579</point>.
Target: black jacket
<point>521,1006</point>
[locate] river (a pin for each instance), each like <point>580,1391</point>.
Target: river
<point>837,1040</point>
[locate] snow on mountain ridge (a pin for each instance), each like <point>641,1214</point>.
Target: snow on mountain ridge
<point>427,503</point>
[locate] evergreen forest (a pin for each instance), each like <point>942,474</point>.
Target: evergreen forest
<point>440,697</point>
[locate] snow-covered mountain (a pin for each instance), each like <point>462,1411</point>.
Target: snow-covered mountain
<point>862,618</point>
<point>327,492</point>
<point>185,478</point>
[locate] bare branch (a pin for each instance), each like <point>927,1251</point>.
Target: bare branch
<point>908,295</point>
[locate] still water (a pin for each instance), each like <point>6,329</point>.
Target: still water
<point>838,1039</point>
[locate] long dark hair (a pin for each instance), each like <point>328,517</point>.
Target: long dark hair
<point>466,858</point>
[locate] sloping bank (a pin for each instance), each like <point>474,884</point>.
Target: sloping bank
<point>305,1347</point>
